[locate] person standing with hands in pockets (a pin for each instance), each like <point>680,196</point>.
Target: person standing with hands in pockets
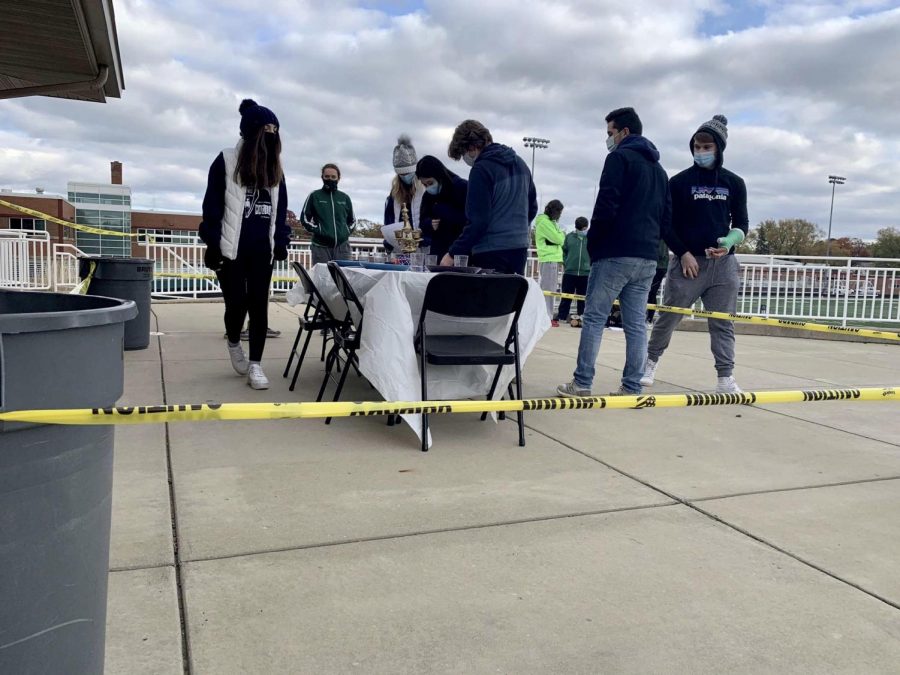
<point>245,228</point>
<point>328,214</point>
<point>549,239</point>
<point>709,218</point>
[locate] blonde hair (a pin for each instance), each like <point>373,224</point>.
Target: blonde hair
<point>401,192</point>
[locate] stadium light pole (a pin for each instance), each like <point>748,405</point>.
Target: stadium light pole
<point>834,180</point>
<point>534,144</point>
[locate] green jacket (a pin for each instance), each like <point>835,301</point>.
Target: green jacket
<point>662,261</point>
<point>329,216</point>
<point>549,239</point>
<point>578,262</point>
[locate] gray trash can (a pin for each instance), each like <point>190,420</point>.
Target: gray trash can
<point>56,351</point>
<point>128,279</point>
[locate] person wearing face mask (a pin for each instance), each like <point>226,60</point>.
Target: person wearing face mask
<point>632,208</point>
<point>328,214</point>
<point>245,228</point>
<point>405,189</point>
<point>501,202</point>
<point>443,206</point>
<point>709,218</point>
<point>577,263</point>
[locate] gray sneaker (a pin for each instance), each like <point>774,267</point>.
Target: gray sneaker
<point>570,390</point>
<point>238,359</point>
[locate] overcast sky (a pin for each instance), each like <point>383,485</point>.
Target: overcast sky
<point>809,88</point>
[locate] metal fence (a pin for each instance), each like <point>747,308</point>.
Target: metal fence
<point>829,289</point>
<point>25,260</point>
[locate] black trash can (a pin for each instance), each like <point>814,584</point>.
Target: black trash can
<point>56,351</point>
<point>128,279</point>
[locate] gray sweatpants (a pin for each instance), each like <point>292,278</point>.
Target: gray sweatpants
<point>717,284</point>
<point>324,254</point>
<point>549,282</point>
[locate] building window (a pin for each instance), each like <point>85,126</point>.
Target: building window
<point>150,235</point>
<point>27,224</point>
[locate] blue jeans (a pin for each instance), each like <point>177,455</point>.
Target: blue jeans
<point>627,279</point>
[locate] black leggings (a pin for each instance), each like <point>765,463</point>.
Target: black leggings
<point>576,285</point>
<point>245,288</point>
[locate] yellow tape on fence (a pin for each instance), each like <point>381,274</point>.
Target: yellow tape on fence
<point>759,320</point>
<point>203,412</point>
<point>65,223</point>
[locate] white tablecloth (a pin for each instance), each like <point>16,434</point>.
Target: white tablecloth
<point>392,302</point>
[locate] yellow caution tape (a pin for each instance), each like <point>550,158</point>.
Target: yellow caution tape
<point>66,223</point>
<point>204,412</point>
<point>82,288</point>
<point>760,320</point>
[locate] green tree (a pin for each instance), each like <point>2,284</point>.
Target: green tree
<point>887,244</point>
<point>367,228</point>
<point>790,236</point>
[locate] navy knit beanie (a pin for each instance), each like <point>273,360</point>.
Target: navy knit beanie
<point>254,116</point>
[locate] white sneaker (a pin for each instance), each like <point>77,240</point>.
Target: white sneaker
<point>649,373</point>
<point>727,385</point>
<point>238,361</point>
<point>256,378</point>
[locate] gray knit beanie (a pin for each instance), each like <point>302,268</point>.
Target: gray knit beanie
<point>718,127</point>
<point>404,156</point>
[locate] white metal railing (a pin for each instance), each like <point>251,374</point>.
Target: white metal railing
<point>819,288</point>
<point>840,290</point>
<point>25,260</point>
<point>65,267</point>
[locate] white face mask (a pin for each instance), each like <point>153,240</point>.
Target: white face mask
<point>468,159</point>
<point>611,142</point>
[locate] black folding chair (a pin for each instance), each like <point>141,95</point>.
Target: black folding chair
<point>472,296</point>
<point>346,335</point>
<point>316,317</point>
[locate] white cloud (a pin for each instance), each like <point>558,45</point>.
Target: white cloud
<point>809,92</point>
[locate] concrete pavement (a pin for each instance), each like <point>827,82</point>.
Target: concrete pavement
<point>759,539</point>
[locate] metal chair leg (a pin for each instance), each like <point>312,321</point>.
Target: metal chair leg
<point>423,371</point>
<point>337,393</point>
<point>328,364</point>
<point>300,360</point>
<point>520,414</point>
<point>490,395</point>
<point>287,368</point>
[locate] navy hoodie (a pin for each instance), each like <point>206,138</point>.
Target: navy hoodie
<point>706,203</point>
<point>500,204</point>
<point>633,205</point>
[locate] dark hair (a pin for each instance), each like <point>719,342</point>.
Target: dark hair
<point>331,166</point>
<point>470,133</point>
<point>431,167</point>
<point>553,209</point>
<point>258,165</point>
<point>703,137</point>
<point>626,117</point>
<point>581,223</point>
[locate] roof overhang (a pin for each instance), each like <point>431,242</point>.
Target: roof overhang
<point>63,48</point>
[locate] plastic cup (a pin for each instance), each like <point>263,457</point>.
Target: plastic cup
<point>431,260</point>
<point>460,261</point>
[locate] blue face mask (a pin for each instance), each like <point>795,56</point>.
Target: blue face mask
<point>433,189</point>
<point>408,178</point>
<point>705,160</point>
